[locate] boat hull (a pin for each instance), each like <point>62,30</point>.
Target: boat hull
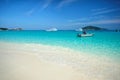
<point>85,35</point>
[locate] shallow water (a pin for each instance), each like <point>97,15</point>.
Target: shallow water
<point>105,43</point>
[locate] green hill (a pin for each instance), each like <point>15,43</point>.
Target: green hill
<point>92,28</point>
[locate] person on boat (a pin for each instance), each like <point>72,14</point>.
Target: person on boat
<point>84,32</point>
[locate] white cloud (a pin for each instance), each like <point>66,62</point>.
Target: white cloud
<point>46,4</point>
<point>30,12</point>
<point>114,21</point>
<point>100,9</point>
<point>80,19</point>
<point>65,2</point>
<point>91,18</point>
<point>104,11</point>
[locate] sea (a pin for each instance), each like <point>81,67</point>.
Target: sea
<point>103,43</point>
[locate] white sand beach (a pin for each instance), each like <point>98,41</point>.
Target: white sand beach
<point>42,62</point>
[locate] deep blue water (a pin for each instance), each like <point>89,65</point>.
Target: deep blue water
<point>105,43</point>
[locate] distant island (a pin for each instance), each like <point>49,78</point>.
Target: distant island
<point>3,29</point>
<point>93,28</point>
<point>10,29</point>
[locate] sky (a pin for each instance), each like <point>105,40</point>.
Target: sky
<point>60,14</point>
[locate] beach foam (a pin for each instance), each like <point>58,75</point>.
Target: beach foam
<point>37,62</point>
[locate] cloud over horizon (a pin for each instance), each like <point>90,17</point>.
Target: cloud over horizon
<point>114,21</point>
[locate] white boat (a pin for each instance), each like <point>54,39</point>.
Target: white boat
<point>79,29</point>
<point>85,35</point>
<point>52,29</point>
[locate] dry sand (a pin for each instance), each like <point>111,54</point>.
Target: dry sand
<point>40,62</point>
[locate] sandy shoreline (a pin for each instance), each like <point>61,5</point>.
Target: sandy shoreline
<point>40,62</point>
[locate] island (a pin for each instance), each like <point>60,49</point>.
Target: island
<point>93,28</point>
<point>10,29</point>
<point>16,29</point>
<point>3,29</point>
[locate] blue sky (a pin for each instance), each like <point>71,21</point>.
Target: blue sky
<point>62,14</point>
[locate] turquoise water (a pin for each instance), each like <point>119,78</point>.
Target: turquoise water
<point>105,43</point>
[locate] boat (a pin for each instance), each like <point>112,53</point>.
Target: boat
<point>52,29</point>
<point>85,35</point>
<point>79,29</point>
